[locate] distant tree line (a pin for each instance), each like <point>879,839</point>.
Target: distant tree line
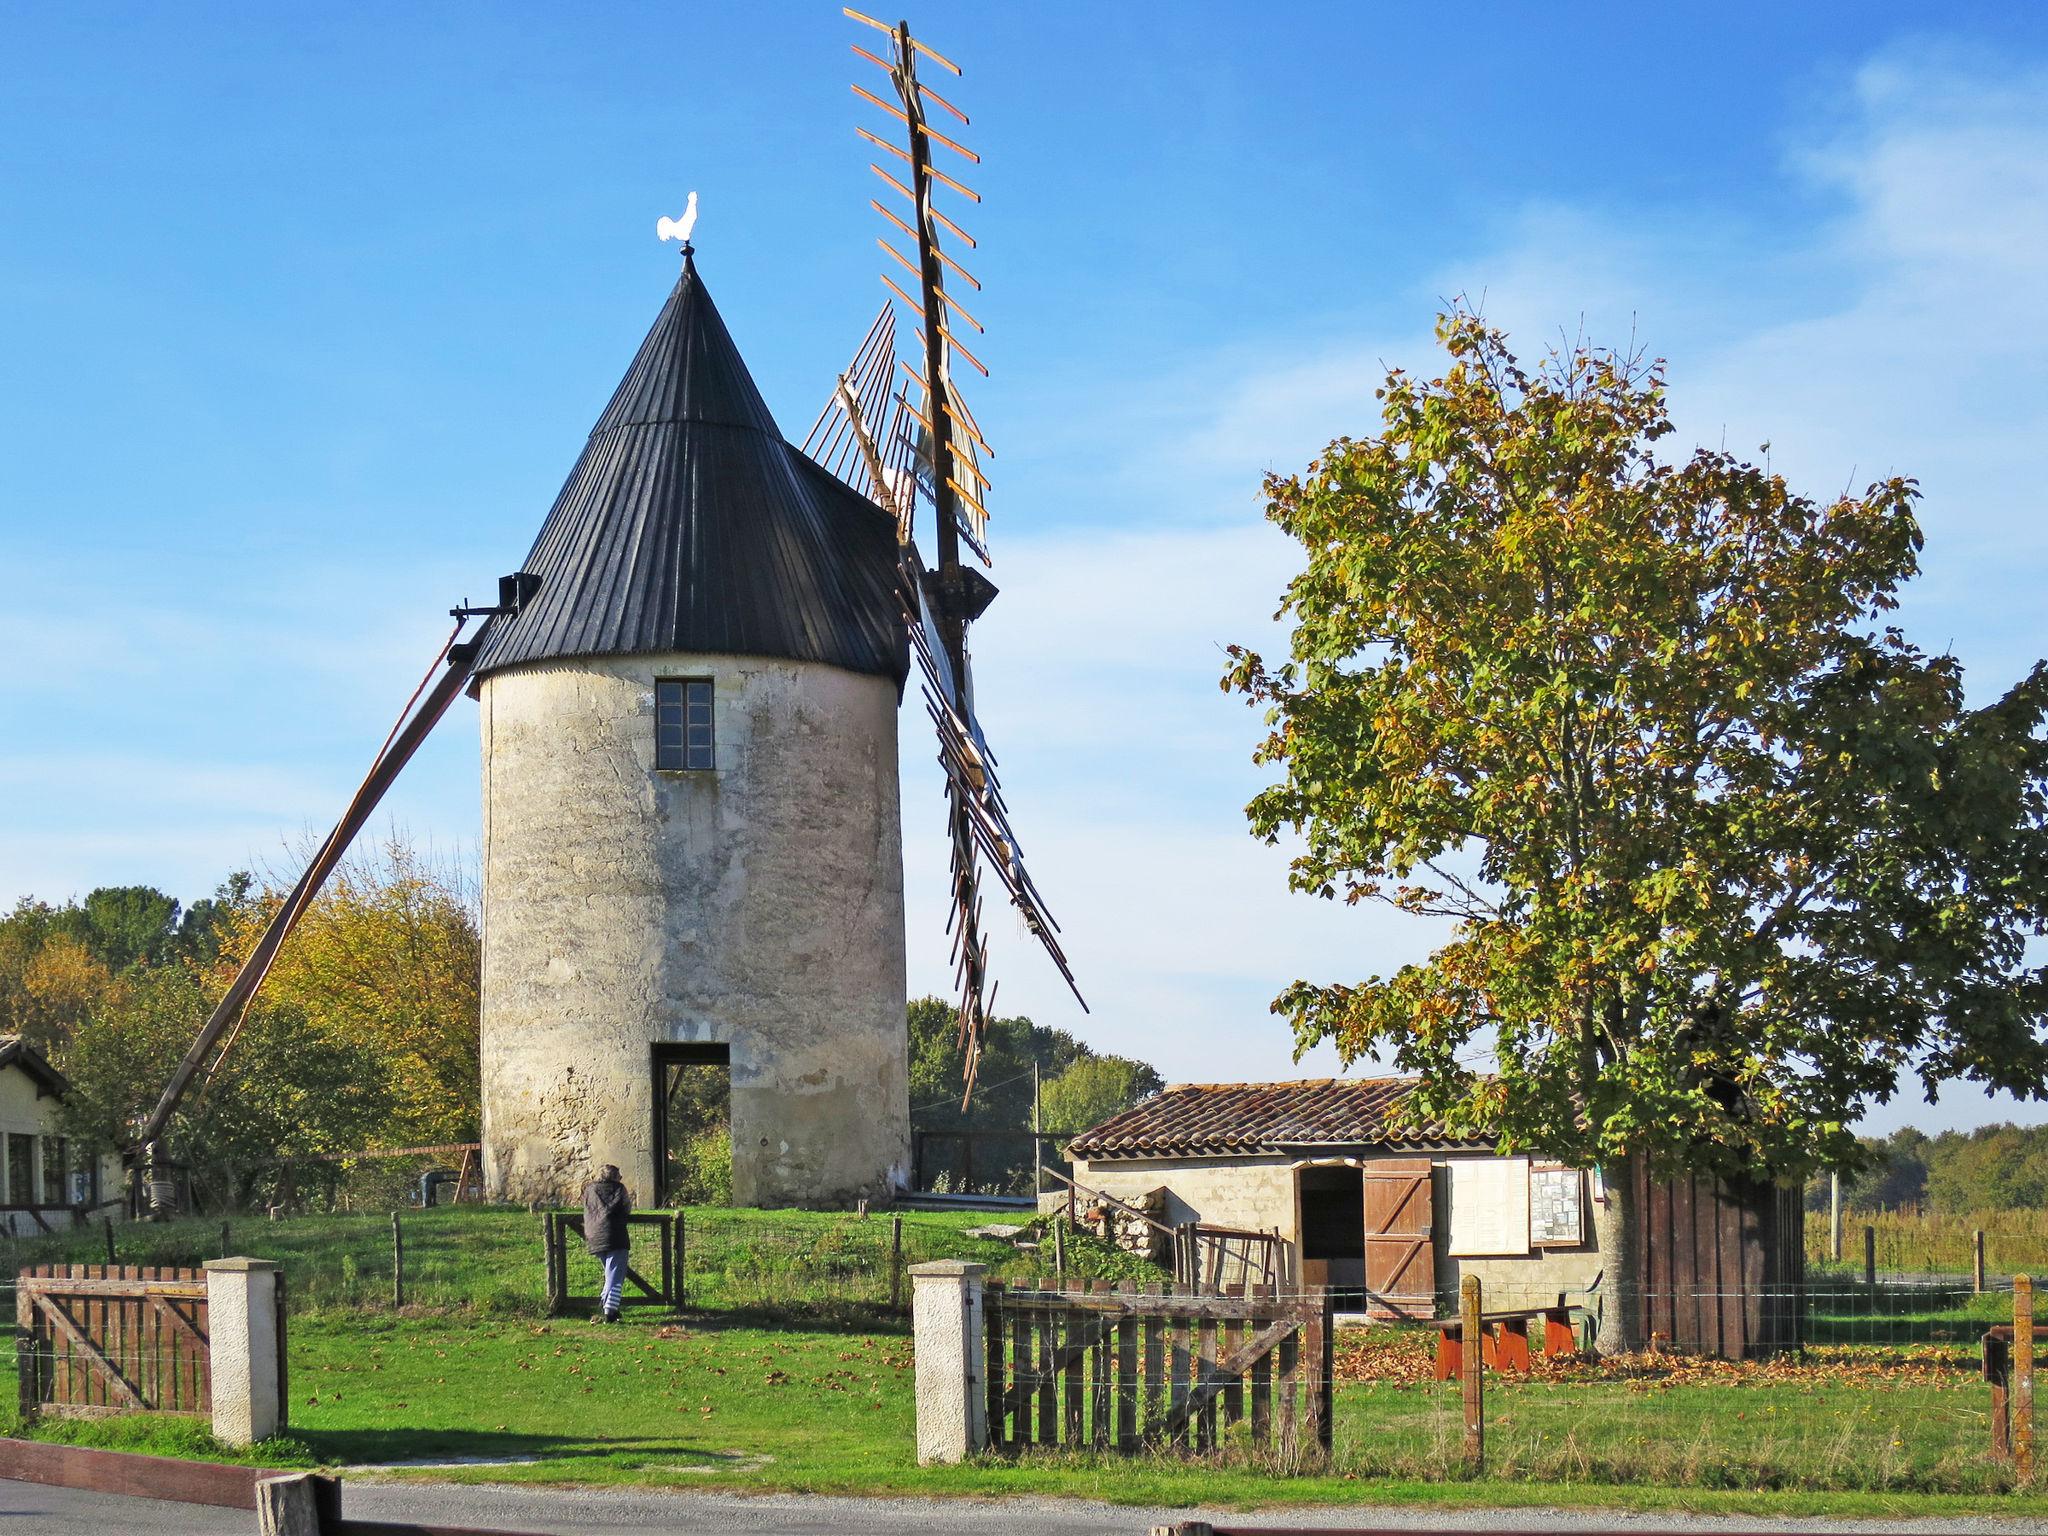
<point>1078,1088</point>
<point>364,1035</point>
<point>1994,1167</point>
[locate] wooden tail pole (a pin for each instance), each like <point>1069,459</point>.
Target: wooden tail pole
<point>398,750</point>
<point>1470,1313</point>
<point>2023,1378</point>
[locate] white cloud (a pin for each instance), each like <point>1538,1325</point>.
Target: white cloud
<point>1898,330</point>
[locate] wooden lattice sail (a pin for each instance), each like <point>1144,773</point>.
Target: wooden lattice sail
<point>900,431</point>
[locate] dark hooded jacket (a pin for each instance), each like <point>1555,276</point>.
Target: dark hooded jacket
<point>605,1208</point>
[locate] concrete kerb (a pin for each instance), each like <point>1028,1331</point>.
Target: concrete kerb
<point>946,1319</point>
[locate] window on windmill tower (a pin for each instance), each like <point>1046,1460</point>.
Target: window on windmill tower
<point>682,724</point>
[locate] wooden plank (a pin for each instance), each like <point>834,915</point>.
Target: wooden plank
<point>1233,1335</point>
<point>992,1325</point>
<point>1020,1394</point>
<point>1320,1346</point>
<point>1205,1384</point>
<point>1262,1384</point>
<point>1181,1365</point>
<point>1099,1367</point>
<point>145,1477</point>
<point>1048,1386</point>
<point>92,1361</point>
<point>1069,1368</point>
<point>27,1357</point>
<point>1128,1384</point>
<point>1155,1368</point>
<point>1286,1387</point>
<point>104,1288</point>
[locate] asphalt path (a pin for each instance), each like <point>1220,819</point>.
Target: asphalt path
<point>27,1507</point>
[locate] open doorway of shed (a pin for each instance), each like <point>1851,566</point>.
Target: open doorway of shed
<point>693,1124</point>
<point>1333,1231</point>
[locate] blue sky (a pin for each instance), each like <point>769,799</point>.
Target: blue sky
<point>304,315</point>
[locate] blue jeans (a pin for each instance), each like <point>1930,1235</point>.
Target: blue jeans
<point>614,1262</point>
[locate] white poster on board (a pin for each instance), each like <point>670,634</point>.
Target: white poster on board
<point>1489,1206</point>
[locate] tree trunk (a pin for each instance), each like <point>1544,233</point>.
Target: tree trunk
<point>1617,1229</point>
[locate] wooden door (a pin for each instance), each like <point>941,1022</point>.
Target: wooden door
<point>1400,1251</point>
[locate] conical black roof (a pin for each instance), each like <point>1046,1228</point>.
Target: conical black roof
<point>690,525</point>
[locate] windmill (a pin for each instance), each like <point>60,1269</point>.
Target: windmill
<point>711,625</point>
<point>911,444</point>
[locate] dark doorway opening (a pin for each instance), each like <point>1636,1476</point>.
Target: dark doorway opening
<point>693,1124</point>
<point>1333,1232</point>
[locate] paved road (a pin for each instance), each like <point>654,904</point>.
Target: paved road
<point>26,1508</point>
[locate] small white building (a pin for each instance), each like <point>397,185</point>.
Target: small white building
<point>1391,1215</point>
<point>44,1183</point>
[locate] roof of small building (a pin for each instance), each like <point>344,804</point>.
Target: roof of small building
<point>17,1052</point>
<point>690,525</point>
<point>1211,1119</point>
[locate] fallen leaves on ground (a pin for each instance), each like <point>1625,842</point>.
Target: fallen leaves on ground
<point>1406,1357</point>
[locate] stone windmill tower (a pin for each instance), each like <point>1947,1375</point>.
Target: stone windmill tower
<point>692,847</point>
<point>692,844</point>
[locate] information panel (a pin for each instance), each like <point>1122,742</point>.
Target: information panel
<point>1556,1210</point>
<point>1489,1206</point>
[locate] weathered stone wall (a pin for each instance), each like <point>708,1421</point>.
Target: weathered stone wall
<point>1258,1192</point>
<point>759,905</point>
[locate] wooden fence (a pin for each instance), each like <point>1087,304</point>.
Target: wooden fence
<point>99,1339</point>
<point>1125,1369</point>
<point>560,1228</point>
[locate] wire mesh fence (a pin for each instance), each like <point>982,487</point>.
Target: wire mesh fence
<point>1928,1244</point>
<point>1884,1391</point>
<point>1881,1390</point>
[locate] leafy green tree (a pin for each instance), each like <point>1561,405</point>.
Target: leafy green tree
<point>124,925</point>
<point>388,957</point>
<point>288,1092</point>
<point>1093,1089</point>
<point>1001,1101</point>
<point>1724,857</point>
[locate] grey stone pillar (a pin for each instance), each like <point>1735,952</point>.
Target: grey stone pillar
<point>241,1314</point>
<point>952,1397</point>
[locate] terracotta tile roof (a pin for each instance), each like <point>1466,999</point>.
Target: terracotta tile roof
<point>1205,1119</point>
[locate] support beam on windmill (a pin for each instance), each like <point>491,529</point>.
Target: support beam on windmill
<point>901,433</point>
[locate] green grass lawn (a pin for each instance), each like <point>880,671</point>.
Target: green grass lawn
<point>818,1398</point>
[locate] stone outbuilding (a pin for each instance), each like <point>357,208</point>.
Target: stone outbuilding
<point>1393,1216</point>
<point>45,1182</point>
<point>692,848</point>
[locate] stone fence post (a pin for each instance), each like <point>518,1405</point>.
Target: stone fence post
<point>241,1313</point>
<point>946,1324</point>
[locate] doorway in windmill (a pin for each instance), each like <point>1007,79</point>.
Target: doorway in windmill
<point>1333,1232</point>
<point>693,1124</point>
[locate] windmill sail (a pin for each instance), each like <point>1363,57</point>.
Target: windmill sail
<point>901,433</point>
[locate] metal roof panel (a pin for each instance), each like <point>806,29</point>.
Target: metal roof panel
<point>689,524</point>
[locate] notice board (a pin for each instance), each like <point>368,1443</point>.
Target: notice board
<point>1489,1206</point>
<point>1556,1210</point>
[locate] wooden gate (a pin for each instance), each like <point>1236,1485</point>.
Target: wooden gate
<point>1126,1369</point>
<point>99,1339</point>
<point>1400,1250</point>
<point>560,1228</point>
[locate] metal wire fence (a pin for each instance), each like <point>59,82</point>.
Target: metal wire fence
<point>1928,1245</point>
<point>1884,1391</point>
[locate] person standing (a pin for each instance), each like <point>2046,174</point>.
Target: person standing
<point>606,1205</point>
